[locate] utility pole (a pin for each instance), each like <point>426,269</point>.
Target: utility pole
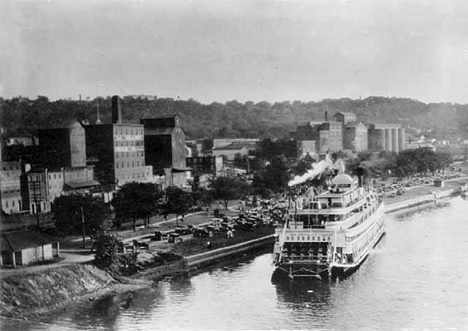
<point>83,227</point>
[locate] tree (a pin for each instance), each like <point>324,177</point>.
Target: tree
<point>275,177</point>
<point>177,202</point>
<point>228,188</point>
<point>202,196</point>
<point>106,246</point>
<point>136,201</point>
<point>443,160</point>
<point>304,164</point>
<point>70,211</point>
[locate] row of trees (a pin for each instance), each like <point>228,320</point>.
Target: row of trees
<point>141,201</point>
<point>404,164</point>
<point>235,119</point>
<point>74,214</point>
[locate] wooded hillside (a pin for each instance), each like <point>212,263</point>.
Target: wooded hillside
<point>235,119</point>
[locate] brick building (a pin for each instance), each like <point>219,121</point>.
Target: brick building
<point>117,150</point>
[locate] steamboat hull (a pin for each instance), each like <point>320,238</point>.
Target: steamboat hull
<point>324,271</point>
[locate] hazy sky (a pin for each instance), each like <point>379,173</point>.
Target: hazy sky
<point>218,50</point>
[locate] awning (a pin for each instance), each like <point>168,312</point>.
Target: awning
<point>82,184</point>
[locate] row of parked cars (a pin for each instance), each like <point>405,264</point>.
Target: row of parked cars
<point>390,191</point>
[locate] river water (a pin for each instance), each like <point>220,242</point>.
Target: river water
<point>416,278</point>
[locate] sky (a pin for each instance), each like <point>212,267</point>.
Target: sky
<point>241,50</point>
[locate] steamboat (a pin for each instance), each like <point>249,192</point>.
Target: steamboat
<point>328,235</point>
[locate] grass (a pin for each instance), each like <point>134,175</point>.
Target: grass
<point>199,245</point>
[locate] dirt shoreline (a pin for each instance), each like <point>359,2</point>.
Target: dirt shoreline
<point>117,286</point>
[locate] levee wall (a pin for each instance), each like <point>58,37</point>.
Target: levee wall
<point>217,254</point>
<point>425,199</point>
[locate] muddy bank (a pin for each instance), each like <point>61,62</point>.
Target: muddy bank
<point>36,295</point>
<point>31,295</point>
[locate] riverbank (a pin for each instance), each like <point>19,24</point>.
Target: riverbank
<point>423,195</point>
<point>38,294</point>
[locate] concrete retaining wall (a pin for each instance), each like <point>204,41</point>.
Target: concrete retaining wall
<point>216,254</point>
<point>428,198</point>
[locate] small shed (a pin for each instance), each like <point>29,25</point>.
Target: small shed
<point>26,247</point>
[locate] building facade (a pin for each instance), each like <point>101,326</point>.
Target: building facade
<point>327,135</point>
<point>205,165</point>
<point>344,117</point>
<point>116,150</point>
<point>10,187</point>
<point>355,137</point>
<point>37,191</point>
<point>63,147</point>
<point>165,147</point>
<point>345,132</point>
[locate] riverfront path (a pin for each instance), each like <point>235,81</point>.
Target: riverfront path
<point>72,252</point>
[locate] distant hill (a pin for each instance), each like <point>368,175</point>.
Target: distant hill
<point>235,119</point>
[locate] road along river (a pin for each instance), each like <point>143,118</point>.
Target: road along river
<point>415,278</point>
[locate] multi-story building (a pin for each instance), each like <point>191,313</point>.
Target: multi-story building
<point>55,186</point>
<point>63,153</point>
<point>199,165</point>
<point>63,147</point>
<point>344,117</point>
<point>117,150</point>
<point>10,187</point>
<point>345,132</point>
<point>36,191</point>
<point>328,135</point>
<point>331,137</point>
<point>355,136</point>
<point>165,148</point>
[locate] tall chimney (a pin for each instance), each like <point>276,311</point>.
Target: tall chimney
<point>116,110</point>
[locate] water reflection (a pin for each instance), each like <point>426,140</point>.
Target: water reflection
<point>102,313</point>
<point>412,279</point>
<point>310,291</point>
